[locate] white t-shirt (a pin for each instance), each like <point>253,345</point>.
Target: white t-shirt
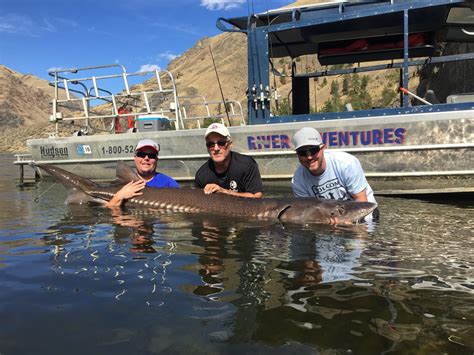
<point>342,179</point>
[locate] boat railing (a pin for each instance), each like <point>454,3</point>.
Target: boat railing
<point>23,159</point>
<point>88,101</point>
<point>196,109</point>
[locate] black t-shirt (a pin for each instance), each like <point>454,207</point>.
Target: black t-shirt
<point>241,176</point>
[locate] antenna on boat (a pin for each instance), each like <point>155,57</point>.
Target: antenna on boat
<point>220,87</point>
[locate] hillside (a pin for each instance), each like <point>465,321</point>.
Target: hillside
<point>24,109</point>
<point>24,99</point>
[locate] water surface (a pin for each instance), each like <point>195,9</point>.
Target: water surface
<point>78,279</point>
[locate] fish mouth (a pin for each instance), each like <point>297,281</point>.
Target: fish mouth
<point>358,216</point>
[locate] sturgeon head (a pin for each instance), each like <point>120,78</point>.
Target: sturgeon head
<point>312,210</point>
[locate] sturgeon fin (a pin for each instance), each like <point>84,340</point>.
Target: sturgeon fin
<point>282,210</point>
<point>77,197</point>
<point>125,173</point>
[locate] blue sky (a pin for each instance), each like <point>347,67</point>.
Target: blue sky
<point>37,35</point>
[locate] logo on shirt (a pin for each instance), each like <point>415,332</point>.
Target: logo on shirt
<point>331,189</point>
<point>233,185</point>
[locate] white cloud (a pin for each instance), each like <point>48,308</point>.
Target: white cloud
<point>221,4</point>
<point>66,22</point>
<point>148,67</point>
<point>167,55</point>
<point>48,26</point>
<point>17,24</point>
<point>188,29</point>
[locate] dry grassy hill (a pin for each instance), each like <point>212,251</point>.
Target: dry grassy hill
<point>24,109</point>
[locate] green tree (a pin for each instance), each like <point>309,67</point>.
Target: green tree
<point>358,96</point>
<point>387,97</point>
<point>355,86</point>
<point>364,82</point>
<point>284,108</point>
<point>283,78</point>
<point>210,120</point>
<point>334,88</point>
<point>345,86</point>
<point>334,104</point>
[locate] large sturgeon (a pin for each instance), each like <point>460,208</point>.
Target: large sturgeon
<point>296,210</point>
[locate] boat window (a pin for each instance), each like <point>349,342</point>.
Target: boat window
<point>461,16</point>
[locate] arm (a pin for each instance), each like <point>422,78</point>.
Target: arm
<point>212,188</point>
<point>361,196</point>
<point>354,179</point>
<point>132,189</point>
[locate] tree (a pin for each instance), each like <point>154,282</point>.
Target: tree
<point>334,88</point>
<point>387,97</point>
<point>364,82</point>
<point>345,86</point>
<point>284,108</point>
<point>334,104</point>
<point>358,96</point>
<point>283,78</point>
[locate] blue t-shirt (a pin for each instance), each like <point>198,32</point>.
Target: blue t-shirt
<point>161,180</point>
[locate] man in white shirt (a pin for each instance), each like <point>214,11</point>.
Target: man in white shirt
<point>329,175</point>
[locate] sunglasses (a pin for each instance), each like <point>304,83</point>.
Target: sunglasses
<point>211,144</point>
<point>152,156</point>
<point>312,151</point>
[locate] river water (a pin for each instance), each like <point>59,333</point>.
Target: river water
<point>79,279</point>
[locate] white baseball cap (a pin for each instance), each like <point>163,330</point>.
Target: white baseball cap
<point>307,136</point>
<point>148,143</point>
<point>218,128</point>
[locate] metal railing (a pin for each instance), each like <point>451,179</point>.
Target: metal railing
<point>89,102</point>
<point>94,102</point>
<point>203,108</point>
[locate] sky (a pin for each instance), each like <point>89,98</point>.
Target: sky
<point>39,35</point>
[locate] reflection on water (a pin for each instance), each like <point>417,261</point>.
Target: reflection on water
<point>138,281</point>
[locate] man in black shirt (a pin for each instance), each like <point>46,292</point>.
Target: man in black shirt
<point>227,171</point>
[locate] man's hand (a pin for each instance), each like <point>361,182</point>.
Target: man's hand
<point>212,188</point>
<point>128,191</point>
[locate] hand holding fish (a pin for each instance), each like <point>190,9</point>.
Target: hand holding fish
<point>132,189</point>
<point>212,188</point>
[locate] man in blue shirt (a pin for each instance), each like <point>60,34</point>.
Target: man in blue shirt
<point>146,159</point>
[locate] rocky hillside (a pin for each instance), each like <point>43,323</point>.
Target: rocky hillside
<point>24,109</point>
<point>24,99</point>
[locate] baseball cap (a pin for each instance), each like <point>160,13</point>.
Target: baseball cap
<point>218,128</point>
<point>306,136</point>
<point>148,143</point>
